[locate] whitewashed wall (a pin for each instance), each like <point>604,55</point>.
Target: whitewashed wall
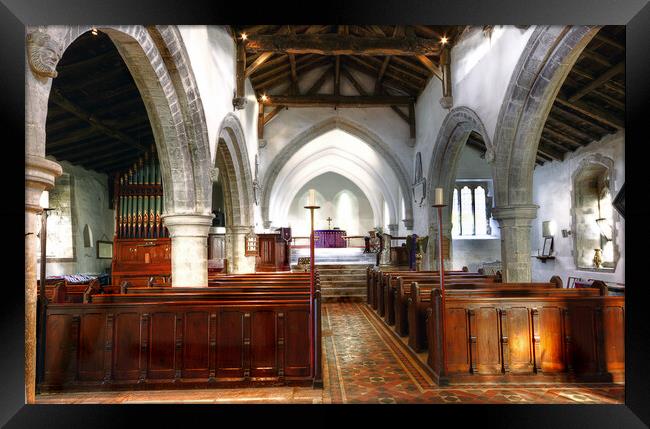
<point>552,186</point>
<point>89,207</point>
<point>481,69</point>
<point>212,54</point>
<point>328,186</point>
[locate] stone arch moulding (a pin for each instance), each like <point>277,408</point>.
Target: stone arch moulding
<point>232,152</point>
<point>352,128</point>
<point>543,66</point>
<point>160,67</point>
<point>547,59</point>
<point>452,137</point>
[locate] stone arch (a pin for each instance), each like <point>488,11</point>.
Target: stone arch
<point>350,127</point>
<point>232,155</point>
<point>231,158</point>
<point>459,123</point>
<point>536,80</point>
<point>160,67</point>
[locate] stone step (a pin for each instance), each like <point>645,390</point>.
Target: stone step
<point>347,298</point>
<point>344,291</point>
<point>342,277</point>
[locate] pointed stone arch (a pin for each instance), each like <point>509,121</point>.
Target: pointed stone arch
<point>232,159</point>
<point>352,128</point>
<point>459,123</point>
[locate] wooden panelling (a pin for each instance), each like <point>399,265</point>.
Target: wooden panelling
<point>488,350</point>
<point>296,344</point>
<point>263,344</point>
<point>520,351</point>
<point>57,348</point>
<point>230,343</point>
<point>551,340</point>
<point>457,340</point>
<point>196,344</point>
<point>526,338</point>
<point>161,349</point>
<point>126,351</point>
<point>91,346</point>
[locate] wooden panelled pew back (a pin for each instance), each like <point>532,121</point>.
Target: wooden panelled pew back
<point>238,333</point>
<point>556,336</point>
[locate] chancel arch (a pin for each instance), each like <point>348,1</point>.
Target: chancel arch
<point>460,128</point>
<point>339,152</point>
<point>382,153</point>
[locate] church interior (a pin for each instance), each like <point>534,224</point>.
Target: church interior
<point>325,214</point>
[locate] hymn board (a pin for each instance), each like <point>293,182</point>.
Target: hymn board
<point>142,244</point>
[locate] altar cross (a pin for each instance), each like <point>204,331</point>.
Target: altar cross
<point>329,222</point>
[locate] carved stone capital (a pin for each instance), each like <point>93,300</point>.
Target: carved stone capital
<point>214,175</point>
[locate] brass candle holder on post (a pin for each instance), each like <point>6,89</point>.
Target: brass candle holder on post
<point>40,356</point>
<point>439,204</point>
<point>313,329</point>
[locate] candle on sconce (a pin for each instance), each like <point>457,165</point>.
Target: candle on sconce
<point>437,201</point>
<point>312,198</point>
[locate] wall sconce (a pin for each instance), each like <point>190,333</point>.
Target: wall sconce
<point>566,233</point>
<point>548,228</point>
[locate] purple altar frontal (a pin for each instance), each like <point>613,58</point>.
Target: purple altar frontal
<point>328,238</point>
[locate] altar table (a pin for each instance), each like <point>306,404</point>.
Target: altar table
<point>329,238</point>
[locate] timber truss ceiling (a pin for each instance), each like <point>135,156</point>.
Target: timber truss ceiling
<point>96,117</point>
<point>402,58</point>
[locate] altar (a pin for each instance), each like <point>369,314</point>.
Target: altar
<point>328,238</point>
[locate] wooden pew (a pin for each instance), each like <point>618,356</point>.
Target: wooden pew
<point>523,339</point>
<point>419,300</point>
<point>382,278</point>
<point>392,284</point>
<point>401,291</point>
<point>237,334</point>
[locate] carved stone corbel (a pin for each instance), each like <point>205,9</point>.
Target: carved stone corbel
<point>43,54</point>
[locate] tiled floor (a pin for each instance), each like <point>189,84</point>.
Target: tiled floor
<point>363,362</point>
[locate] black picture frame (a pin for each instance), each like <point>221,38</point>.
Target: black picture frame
<point>14,15</point>
<point>102,249</point>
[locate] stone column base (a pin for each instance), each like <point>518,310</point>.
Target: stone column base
<point>189,234</point>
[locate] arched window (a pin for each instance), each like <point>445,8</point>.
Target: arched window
<point>471,208</point>
<point>593,214</point>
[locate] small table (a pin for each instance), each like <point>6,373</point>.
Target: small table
<point>329,238</point>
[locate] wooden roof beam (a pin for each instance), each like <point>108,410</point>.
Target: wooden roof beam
<point>599,81</point>
<point>58,98</point>
<point>336,44</point>
<point>593,112</point>
<point>341,101</point>
<point>261,59</point>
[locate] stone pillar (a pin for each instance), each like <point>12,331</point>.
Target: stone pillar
<point>434,236</point>
<point>515,223</point>
<point>189,234</point>
<point>40,174</point>
<point>238,262</point>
